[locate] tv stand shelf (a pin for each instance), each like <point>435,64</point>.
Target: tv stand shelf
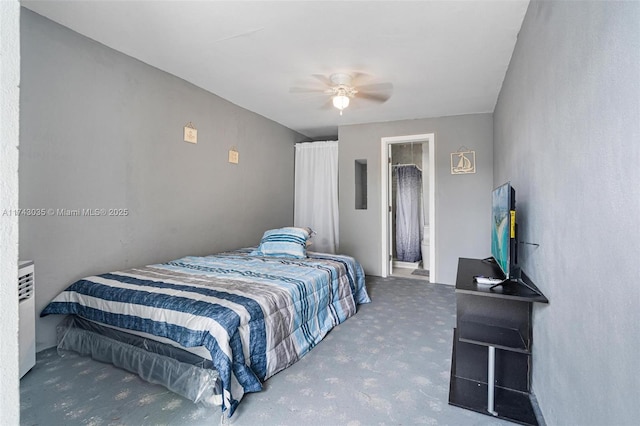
<point>492,344</point>
<point>475,330</point>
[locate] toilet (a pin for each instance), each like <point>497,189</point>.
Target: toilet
<point>424,247</point>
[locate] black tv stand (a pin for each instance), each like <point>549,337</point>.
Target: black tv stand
<point>493,344</point>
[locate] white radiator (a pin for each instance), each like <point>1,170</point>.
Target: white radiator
<point>27,325</point>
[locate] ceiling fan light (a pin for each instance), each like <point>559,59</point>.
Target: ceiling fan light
<point>340,102</point>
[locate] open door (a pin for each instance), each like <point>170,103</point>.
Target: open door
<point>387,231</point>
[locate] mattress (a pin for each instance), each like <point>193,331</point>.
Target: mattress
<point>253,315</point>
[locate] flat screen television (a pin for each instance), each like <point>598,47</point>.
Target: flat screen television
<point>503,231</point>
<point>504,234</point>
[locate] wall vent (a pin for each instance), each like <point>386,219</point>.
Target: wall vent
<point>25,285</point>
<point>27,333</point>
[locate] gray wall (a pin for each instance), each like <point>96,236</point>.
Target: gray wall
<point>463,202</point>
<point>100,129</point>
<point>567,134</point>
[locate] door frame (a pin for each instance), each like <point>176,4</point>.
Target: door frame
<point>385,198</point>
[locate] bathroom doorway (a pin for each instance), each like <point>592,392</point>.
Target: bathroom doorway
<point>408,206</point>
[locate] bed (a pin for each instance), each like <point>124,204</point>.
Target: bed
<point>211,328</point>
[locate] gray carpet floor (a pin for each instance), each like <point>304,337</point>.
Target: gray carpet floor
<point>387,365</point>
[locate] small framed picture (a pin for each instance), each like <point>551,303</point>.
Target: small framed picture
<point>190,133</point>
<point>463,162</point>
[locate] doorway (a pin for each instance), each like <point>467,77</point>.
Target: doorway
<point>411,157</point>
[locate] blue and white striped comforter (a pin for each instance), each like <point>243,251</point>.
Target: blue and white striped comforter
<point>255,315</point>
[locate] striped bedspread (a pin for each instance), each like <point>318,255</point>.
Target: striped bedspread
<point>255,315</point>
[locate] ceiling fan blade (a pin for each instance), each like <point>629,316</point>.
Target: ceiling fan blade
<point>376,87</point>
<point>323,78</point>
<point>358,78</point>
<point>374,97</point>
<point>306,90</point>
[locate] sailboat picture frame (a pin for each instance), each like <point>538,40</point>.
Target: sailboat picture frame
<point>463,162</point>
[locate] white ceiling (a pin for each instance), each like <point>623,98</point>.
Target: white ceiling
<point>442,57</point>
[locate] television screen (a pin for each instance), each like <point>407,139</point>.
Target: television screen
<point>503,227</point>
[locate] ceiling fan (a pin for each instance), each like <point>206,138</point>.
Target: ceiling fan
<point>342,88</point>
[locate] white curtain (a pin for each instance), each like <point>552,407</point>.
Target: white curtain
<point>316,193</point>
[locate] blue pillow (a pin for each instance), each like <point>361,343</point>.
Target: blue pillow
<point>284,242</point>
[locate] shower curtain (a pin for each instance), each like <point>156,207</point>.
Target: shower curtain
<point>409,188</point>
